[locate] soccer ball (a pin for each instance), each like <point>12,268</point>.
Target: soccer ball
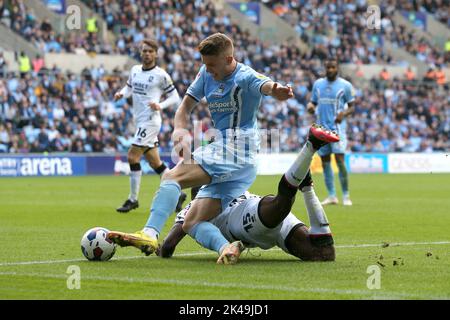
<point>95,246</point>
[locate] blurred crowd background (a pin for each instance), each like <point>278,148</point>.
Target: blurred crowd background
<point>43,108</point>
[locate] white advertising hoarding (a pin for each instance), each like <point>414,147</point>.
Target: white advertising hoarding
<point>418,163</point>
<point>274,163</point>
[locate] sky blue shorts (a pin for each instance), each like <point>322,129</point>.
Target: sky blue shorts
<point>337,147</point>
<point>232,170</point>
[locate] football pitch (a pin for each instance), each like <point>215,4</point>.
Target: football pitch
<point>398,223</point>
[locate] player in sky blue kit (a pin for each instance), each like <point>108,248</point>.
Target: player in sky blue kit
<point>226,167</point>
<point>332,100</point>
<point>267,221</point>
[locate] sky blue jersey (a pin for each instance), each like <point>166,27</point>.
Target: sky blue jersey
<point>332,98</point>
<point>234,101</point>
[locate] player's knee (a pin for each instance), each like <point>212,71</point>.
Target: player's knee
<point>170,175</point>
<point>187,226</point>
<point>340,161</point>
<point>133,158</point>
<point>176,174</point>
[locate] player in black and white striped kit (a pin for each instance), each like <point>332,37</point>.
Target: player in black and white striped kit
<point>146,84</point>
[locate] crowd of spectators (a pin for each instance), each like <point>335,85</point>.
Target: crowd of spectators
<point>422,48</point>
<point>60,112</point>
<point>48,110</point>
<point>329,26</point>
<point>16,15</point>
<point>341,27</point>
<point>440,9</point>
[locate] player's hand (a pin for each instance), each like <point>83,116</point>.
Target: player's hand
<point>281,92</point>
<point>311,108</point>
<point>118,96</point>
<point>339,117</point>
<point>155,106</point>
<point>181,141</point>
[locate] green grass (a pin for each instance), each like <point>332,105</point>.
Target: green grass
<point>42,221</point>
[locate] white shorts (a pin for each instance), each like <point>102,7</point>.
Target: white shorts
<point>242,222</point>
<point>146,134</point>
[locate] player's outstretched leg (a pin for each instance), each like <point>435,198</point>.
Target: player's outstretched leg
<point>153,158</point>
<point>343,178</point>
<point>315,243</point>
<point>138,240</point>
<point>128,205</point>
<point>273,210</point>
<point>164,204</point>
<point>134,155</point>
<point>319,232</point>
<point>329,181</point>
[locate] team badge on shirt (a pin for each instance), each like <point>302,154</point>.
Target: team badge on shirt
<point>219,91</point>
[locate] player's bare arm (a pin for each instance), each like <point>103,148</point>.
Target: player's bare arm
<point>344,114</point>
<point>172,99</point>
<point>176,234</point>
<point>311,107</point>
<point>118,96</point>
<point>182,117</point>
<point>155,106</point>
<point>124,92</point>
<point>277,91</point>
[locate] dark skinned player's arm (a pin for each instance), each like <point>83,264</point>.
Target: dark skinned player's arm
<point>176,234</point>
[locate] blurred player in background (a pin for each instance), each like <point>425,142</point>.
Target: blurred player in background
<point>226,167</point>
<point>147,83</point>
<point>333,99</point>
<point>266,222</point>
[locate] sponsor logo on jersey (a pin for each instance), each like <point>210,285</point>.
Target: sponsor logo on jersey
<point>221,107</point>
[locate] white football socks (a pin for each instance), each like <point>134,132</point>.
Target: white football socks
<point>135,183</point>
<point>317,217</point>
<point>152,233</point>
<point>298,170</point>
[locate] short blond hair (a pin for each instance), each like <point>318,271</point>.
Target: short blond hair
<point>215,44</point>
<point>151,43</point>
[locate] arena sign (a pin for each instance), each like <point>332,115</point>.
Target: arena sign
<point>42,166</point>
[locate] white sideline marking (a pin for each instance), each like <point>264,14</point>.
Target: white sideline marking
<point>370,293</point>
<point>198,253</point>
<point>24,263</point>
<point>394,244</point>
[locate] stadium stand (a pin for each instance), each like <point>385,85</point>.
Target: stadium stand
<point>47,109</point>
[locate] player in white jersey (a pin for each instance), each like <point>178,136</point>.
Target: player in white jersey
<point>146,84</point>
<point>266,222</point>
